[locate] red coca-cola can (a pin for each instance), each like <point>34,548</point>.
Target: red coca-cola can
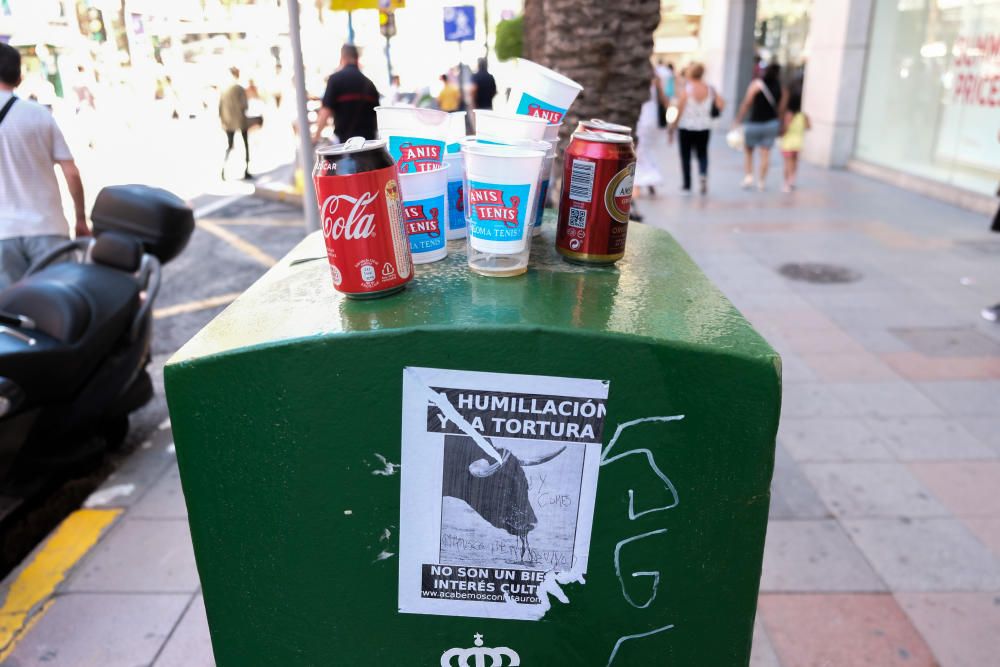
<point>361,212</point>
<point>596,197</point>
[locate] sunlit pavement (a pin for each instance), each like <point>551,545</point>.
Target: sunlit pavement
<point>182,155</point>
<point>884,541</point>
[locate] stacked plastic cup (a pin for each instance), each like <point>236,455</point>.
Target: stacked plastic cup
<point>456,175</point>
<point>509,126</point>
<point>552,132</point>
<point>425,213</point>
<point>541,92</point>
<point>416,137</point>
<point>525,132</point>
<point>543,186</point>
<point>501,193</point>
<point>455,165</point>
<point>455,130</point>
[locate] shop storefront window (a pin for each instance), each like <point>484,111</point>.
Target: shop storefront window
<point>931,102</point>
<point>780,33</point>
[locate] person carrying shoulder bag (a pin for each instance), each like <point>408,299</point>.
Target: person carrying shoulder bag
<point>762,108</point>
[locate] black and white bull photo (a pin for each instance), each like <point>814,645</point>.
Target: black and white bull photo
<point>531,493</point>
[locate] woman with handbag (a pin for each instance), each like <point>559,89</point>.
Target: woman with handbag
<point>697,105</point>
<point>762,108</point>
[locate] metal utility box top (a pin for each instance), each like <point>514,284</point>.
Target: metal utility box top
<point>566,467</point>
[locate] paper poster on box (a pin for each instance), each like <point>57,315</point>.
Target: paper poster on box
<point>498,482</point>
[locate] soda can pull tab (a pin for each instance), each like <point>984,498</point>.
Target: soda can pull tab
<point>354,143</point>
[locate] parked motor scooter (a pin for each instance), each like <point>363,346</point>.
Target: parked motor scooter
<point>75,337</point>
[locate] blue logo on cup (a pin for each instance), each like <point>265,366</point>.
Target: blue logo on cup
<point>413,154</point>
<point>540,207</point>
<point>422,220</point>
<point>532,106</point>
<point>497,211</point>
<point>456,205</point>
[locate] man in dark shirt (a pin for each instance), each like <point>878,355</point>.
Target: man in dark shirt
<point>350,98</point>
<point>484,87</point>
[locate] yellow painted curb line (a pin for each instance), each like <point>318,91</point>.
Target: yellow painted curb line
<point>70,541</point>
<point>194,306</point>
<point>235,241</point>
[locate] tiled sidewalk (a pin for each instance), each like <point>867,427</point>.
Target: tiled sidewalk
<point>884,543</point>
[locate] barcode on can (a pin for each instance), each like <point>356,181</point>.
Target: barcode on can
<point>581,180</point>
<point>578,217</point>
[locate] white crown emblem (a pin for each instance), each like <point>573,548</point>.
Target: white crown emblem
<point>476,657</point>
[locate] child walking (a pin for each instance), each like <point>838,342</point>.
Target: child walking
<point>796,123</point>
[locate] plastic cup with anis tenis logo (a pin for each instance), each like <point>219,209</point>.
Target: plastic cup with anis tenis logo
<point>545,175</point>
<point>416,138</point>
<point>501,189</point>
<point>361,213</point>
<point>425,213</point>
<point>541,92</point>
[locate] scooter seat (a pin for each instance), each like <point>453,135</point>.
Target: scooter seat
<point>83,310</point>
<point>57,308</point>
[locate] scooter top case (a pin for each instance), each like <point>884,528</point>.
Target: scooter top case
<point>160,219</point>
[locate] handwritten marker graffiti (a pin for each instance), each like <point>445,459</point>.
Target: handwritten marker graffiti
<point>608,459</point>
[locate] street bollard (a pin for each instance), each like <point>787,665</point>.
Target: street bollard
<point>571,467</point>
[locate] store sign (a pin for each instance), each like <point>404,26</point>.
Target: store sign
<point>353,5</point>
<point>976,69</point>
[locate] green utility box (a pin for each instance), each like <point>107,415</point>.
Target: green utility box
<point>569,467</point>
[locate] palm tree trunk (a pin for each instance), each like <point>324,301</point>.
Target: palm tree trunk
<point>534,31</point>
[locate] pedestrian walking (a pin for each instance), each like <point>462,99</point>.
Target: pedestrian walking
<point>31,218</point>
<point>484,87</point>
<point>350,98</point>
<point>233,114</point>
<point>648,136</point>
<point>796,123</point>
<point>450,97</point>
<point>762,108</point>
<point>665,72</point>
<point>697,105</point>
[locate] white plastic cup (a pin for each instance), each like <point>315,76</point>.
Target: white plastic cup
<point>552,132</point>
<point>543,187</point>
<point>545,174</point>
<point>510,126</point>
<point>501,190</point>
<point>455,164</point>
<point>456,131</point>
<point>541,92</point>
<point>425,213</point>
<point>416,138</point>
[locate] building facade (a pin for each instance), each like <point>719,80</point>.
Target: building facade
<point>902,90</point>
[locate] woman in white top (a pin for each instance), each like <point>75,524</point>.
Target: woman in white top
<point>648,134</point>
<point>694,120</point>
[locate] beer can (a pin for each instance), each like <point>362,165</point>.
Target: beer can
<point>600,125</point>
<point>361,212</point>
<point>596,197</point>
